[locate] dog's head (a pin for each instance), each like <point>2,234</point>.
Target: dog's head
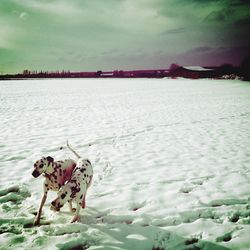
<point>41,165</point>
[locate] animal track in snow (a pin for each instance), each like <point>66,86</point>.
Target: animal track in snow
<point>186,189</point>
<point>226,237</point>
<point>136,206</point>
<point>240,216</point>
<point>13,194</point>
<point>226,202</point>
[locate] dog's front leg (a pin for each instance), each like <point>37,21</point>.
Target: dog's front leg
<point>45,190</point>
<point>38,216</point>
<point>76,217</point>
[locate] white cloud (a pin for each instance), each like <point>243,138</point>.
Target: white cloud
<point>24,16</point>
<point>7,34</point>
<point>55,7</point>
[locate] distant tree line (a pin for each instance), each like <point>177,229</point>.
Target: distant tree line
<point>245,68</point>
<point>225,71</point>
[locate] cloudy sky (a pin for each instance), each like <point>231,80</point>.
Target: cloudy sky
<point>90,35</point>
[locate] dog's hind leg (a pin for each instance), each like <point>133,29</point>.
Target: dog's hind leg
<point>84,201</point>
<point>72,210</point>
<point>76,216</point>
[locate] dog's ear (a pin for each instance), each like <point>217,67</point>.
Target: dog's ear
<point>50,159</point>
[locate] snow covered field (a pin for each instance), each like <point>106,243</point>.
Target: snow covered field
<point>171,163</point>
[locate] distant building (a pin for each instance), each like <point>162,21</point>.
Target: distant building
<point>192,72</point>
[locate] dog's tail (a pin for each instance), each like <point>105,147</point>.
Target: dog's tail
<point>73,151</point>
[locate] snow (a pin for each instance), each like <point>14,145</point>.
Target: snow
<point>197,68</point>
<point>170,158</point>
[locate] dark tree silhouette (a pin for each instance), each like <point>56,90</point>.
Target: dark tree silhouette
<point>245,68</point>
<point>226,69</point>
<point>174,66</point>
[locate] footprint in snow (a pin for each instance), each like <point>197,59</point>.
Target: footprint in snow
<point>226,202</point>
<point>241,216</point>
<point>13,194</point>
<point>186,189</point>
<point>226,237</point>
<point>136,206</point>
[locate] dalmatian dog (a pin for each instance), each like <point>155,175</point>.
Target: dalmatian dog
<point>56,173</point>
<point>76,188</point>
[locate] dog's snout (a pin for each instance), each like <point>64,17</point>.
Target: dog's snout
<point>35,173</point>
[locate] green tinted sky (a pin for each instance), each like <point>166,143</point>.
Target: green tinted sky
<point>94,35</point>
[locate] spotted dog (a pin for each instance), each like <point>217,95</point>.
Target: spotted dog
<point>76,188</point>
<point>56,173</point>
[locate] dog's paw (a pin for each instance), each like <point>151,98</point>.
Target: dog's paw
<point>75,219</point>
<point>55,209</point>
<point>36,221</point>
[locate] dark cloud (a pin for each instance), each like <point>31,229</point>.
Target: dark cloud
<point>221,15</point>
<point>202,49</point>
<point>217,16</point>
<point>203,1</point>
<point>174,31</point>
<point>240,2</point>
<point>215,56</point>
<point>245,22</point>
<point>220,2</point>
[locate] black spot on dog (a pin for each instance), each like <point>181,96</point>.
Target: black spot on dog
<point>53,203</point>
<point>41,165</point>
<point>50,159</point>
<point>82,170</point>
<point>81,196</point>
<point>46,185</point>
<point>88,161</point>
<point>63,196</point>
